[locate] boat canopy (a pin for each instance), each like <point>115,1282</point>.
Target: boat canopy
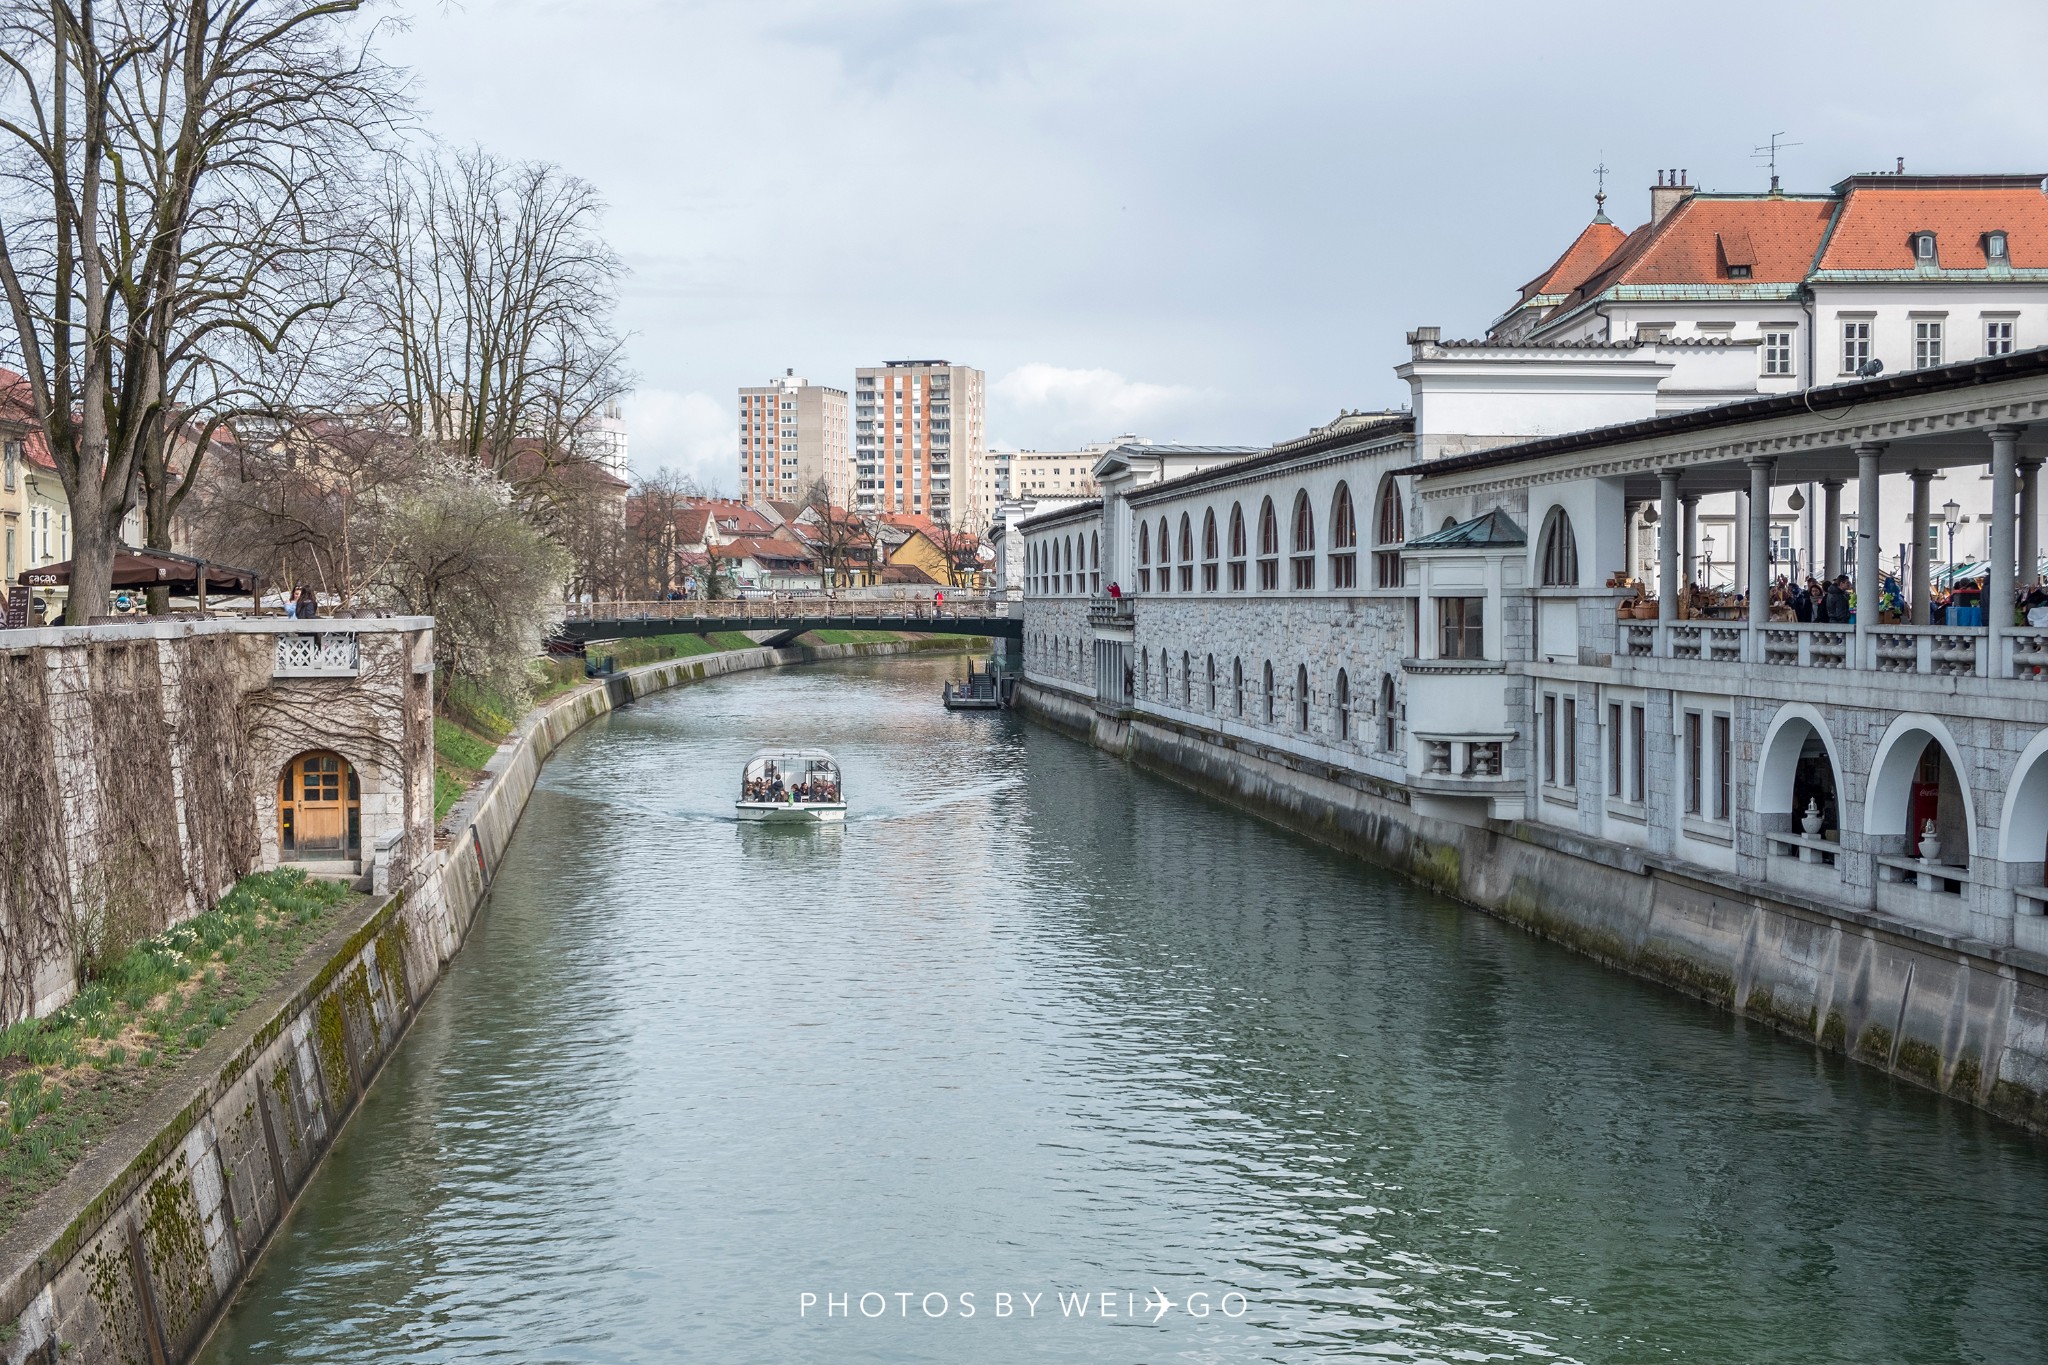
<point>813,769</point>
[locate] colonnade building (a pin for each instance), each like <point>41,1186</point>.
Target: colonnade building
<point>1445,635</point>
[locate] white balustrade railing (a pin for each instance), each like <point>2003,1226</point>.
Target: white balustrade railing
<point>1925,651</point>
<point>326,654</point>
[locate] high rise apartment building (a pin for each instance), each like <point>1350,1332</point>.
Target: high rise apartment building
<point>793,433</point>
<point>919,441</point>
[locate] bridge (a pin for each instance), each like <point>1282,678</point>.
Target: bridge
<point>790,617</point>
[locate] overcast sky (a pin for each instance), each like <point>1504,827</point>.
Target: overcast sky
<point>1195,221</point>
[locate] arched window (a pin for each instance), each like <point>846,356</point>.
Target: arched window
<point>1343,540</point>
<point>1165,677</point>
<point>1209,555</point>
<point>1301,697</point>
<point>1388,730</point>
<point>1144,557</point>
<point>1237,684</point>
<point>1070,564</point>
<point>1304,543</point>
<point>1165,557</point>
<point>1267,681</point>
<point>1187,681</point>
<point>1236,548</point>
<point>1269,547</point>
<point>1094,564</point>
<point>1343,704</point>
<point>1141,672</point>
<point>1187,553</point>
<point>1212,682</point>
<point>1560,563</point>
<point>1390,532</point>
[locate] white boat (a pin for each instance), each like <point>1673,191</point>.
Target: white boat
<point>797,786</point>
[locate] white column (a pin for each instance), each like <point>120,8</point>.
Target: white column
<point>1759,581</point>
<point>1831,528</point>
<point>1691,569</point>
<point>1866,545</point>
<point>2030,524</point>
<point>1740,551</point>
<point>1922,584</point>
<point>1667,545</point>
<point>1998,582</point>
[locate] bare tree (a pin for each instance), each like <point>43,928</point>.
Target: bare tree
<point>166,159</point>
<point>843,541</point>
<point>493,301</point>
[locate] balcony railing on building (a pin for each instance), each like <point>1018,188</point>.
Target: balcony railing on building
<point>325,654</point>
<point>1936,651</point>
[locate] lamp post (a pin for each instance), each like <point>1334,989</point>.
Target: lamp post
<point>1707,560</point>
<point>1951,512</point>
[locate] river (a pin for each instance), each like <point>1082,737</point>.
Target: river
<point>1035,1025</point>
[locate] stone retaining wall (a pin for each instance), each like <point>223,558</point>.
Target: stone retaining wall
<point>132,1257</point>
<point>1968,1020</point>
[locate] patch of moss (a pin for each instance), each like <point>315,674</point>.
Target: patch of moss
<point>1711,982</point>
<point>1835,1032</point>
<point>1438,866</point>
<point>1920,1060</point>
<point>333,1049</point>
<point>1966,1078</point>
<point>177,1249</point>
<point>1875,1045</point>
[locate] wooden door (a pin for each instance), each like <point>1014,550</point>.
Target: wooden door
<point>316,795</point>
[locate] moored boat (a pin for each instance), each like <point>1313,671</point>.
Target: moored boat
<point>792,786</point>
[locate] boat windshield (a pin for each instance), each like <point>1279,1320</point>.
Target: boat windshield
<point>793,779</point>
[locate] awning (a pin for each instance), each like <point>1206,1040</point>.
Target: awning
<point>135,568</point>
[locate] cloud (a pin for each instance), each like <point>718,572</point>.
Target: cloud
<point>692,433</point>
<point>1085,404</point>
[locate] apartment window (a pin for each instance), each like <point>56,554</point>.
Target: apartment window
<point>1855,346</point>
<point>1997,338</point>
<point>1923,248</point>
<point>1236,548</point>
<point>1635,744</point>
<point>1269,548</point>
<point>1617,764</point>
<point>1304,547</point>
<point>1694,756</point>
<point>1343,540</point>
<point>1461,627</point>
<point>1926,343</point>
<point>1994,247</point>
<point>1724,762</point>
<point>1550,739</point>
<point>1568,761</point>
<point>1777,353</point>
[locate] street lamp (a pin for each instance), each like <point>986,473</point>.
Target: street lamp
<point>1951,512</point>
<point>1707,560</point>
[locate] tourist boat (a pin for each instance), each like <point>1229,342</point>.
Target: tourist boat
<point>798,786</point>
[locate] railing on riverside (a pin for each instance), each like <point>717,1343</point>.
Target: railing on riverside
<point>1928,651</point>
<point>793,608</point>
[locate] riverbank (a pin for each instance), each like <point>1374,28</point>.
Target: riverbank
<point>133,1254</point>
<point>1967,1020</point>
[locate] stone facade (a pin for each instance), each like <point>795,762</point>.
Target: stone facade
<point>141,780</point>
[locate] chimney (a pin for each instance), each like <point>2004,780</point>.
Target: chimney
<point>1423,337</point>
<point>1902,167</point>
<point>1670,190</point>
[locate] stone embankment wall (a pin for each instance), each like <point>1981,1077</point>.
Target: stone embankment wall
<point>133,1256</point>
<point>1965,1019</point>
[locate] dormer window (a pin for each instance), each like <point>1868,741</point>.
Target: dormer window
<point>1923,248</point>
<point>1994,248</point>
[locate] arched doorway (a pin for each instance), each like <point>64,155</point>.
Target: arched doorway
<point>319,807</point>
<point>1797,775</point>
<point>1914,781</point>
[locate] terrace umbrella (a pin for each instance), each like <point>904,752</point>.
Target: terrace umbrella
<point>183,575</point>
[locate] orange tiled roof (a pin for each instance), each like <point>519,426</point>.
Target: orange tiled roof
<point>16,407</point>
<point>1587,253</point>
<point>1877,222</point>
<point>1780,235</point>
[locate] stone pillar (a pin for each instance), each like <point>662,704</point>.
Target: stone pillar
<point>1866,544</point>
<point>1831,528</point>
<point>1739,551</point>
<point>1758,585</point>
<point>1691,504</point>
<point>1667,545</point>
<point>1999,579</point>
<point>1921,585</point>
<point>2030,525</point>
